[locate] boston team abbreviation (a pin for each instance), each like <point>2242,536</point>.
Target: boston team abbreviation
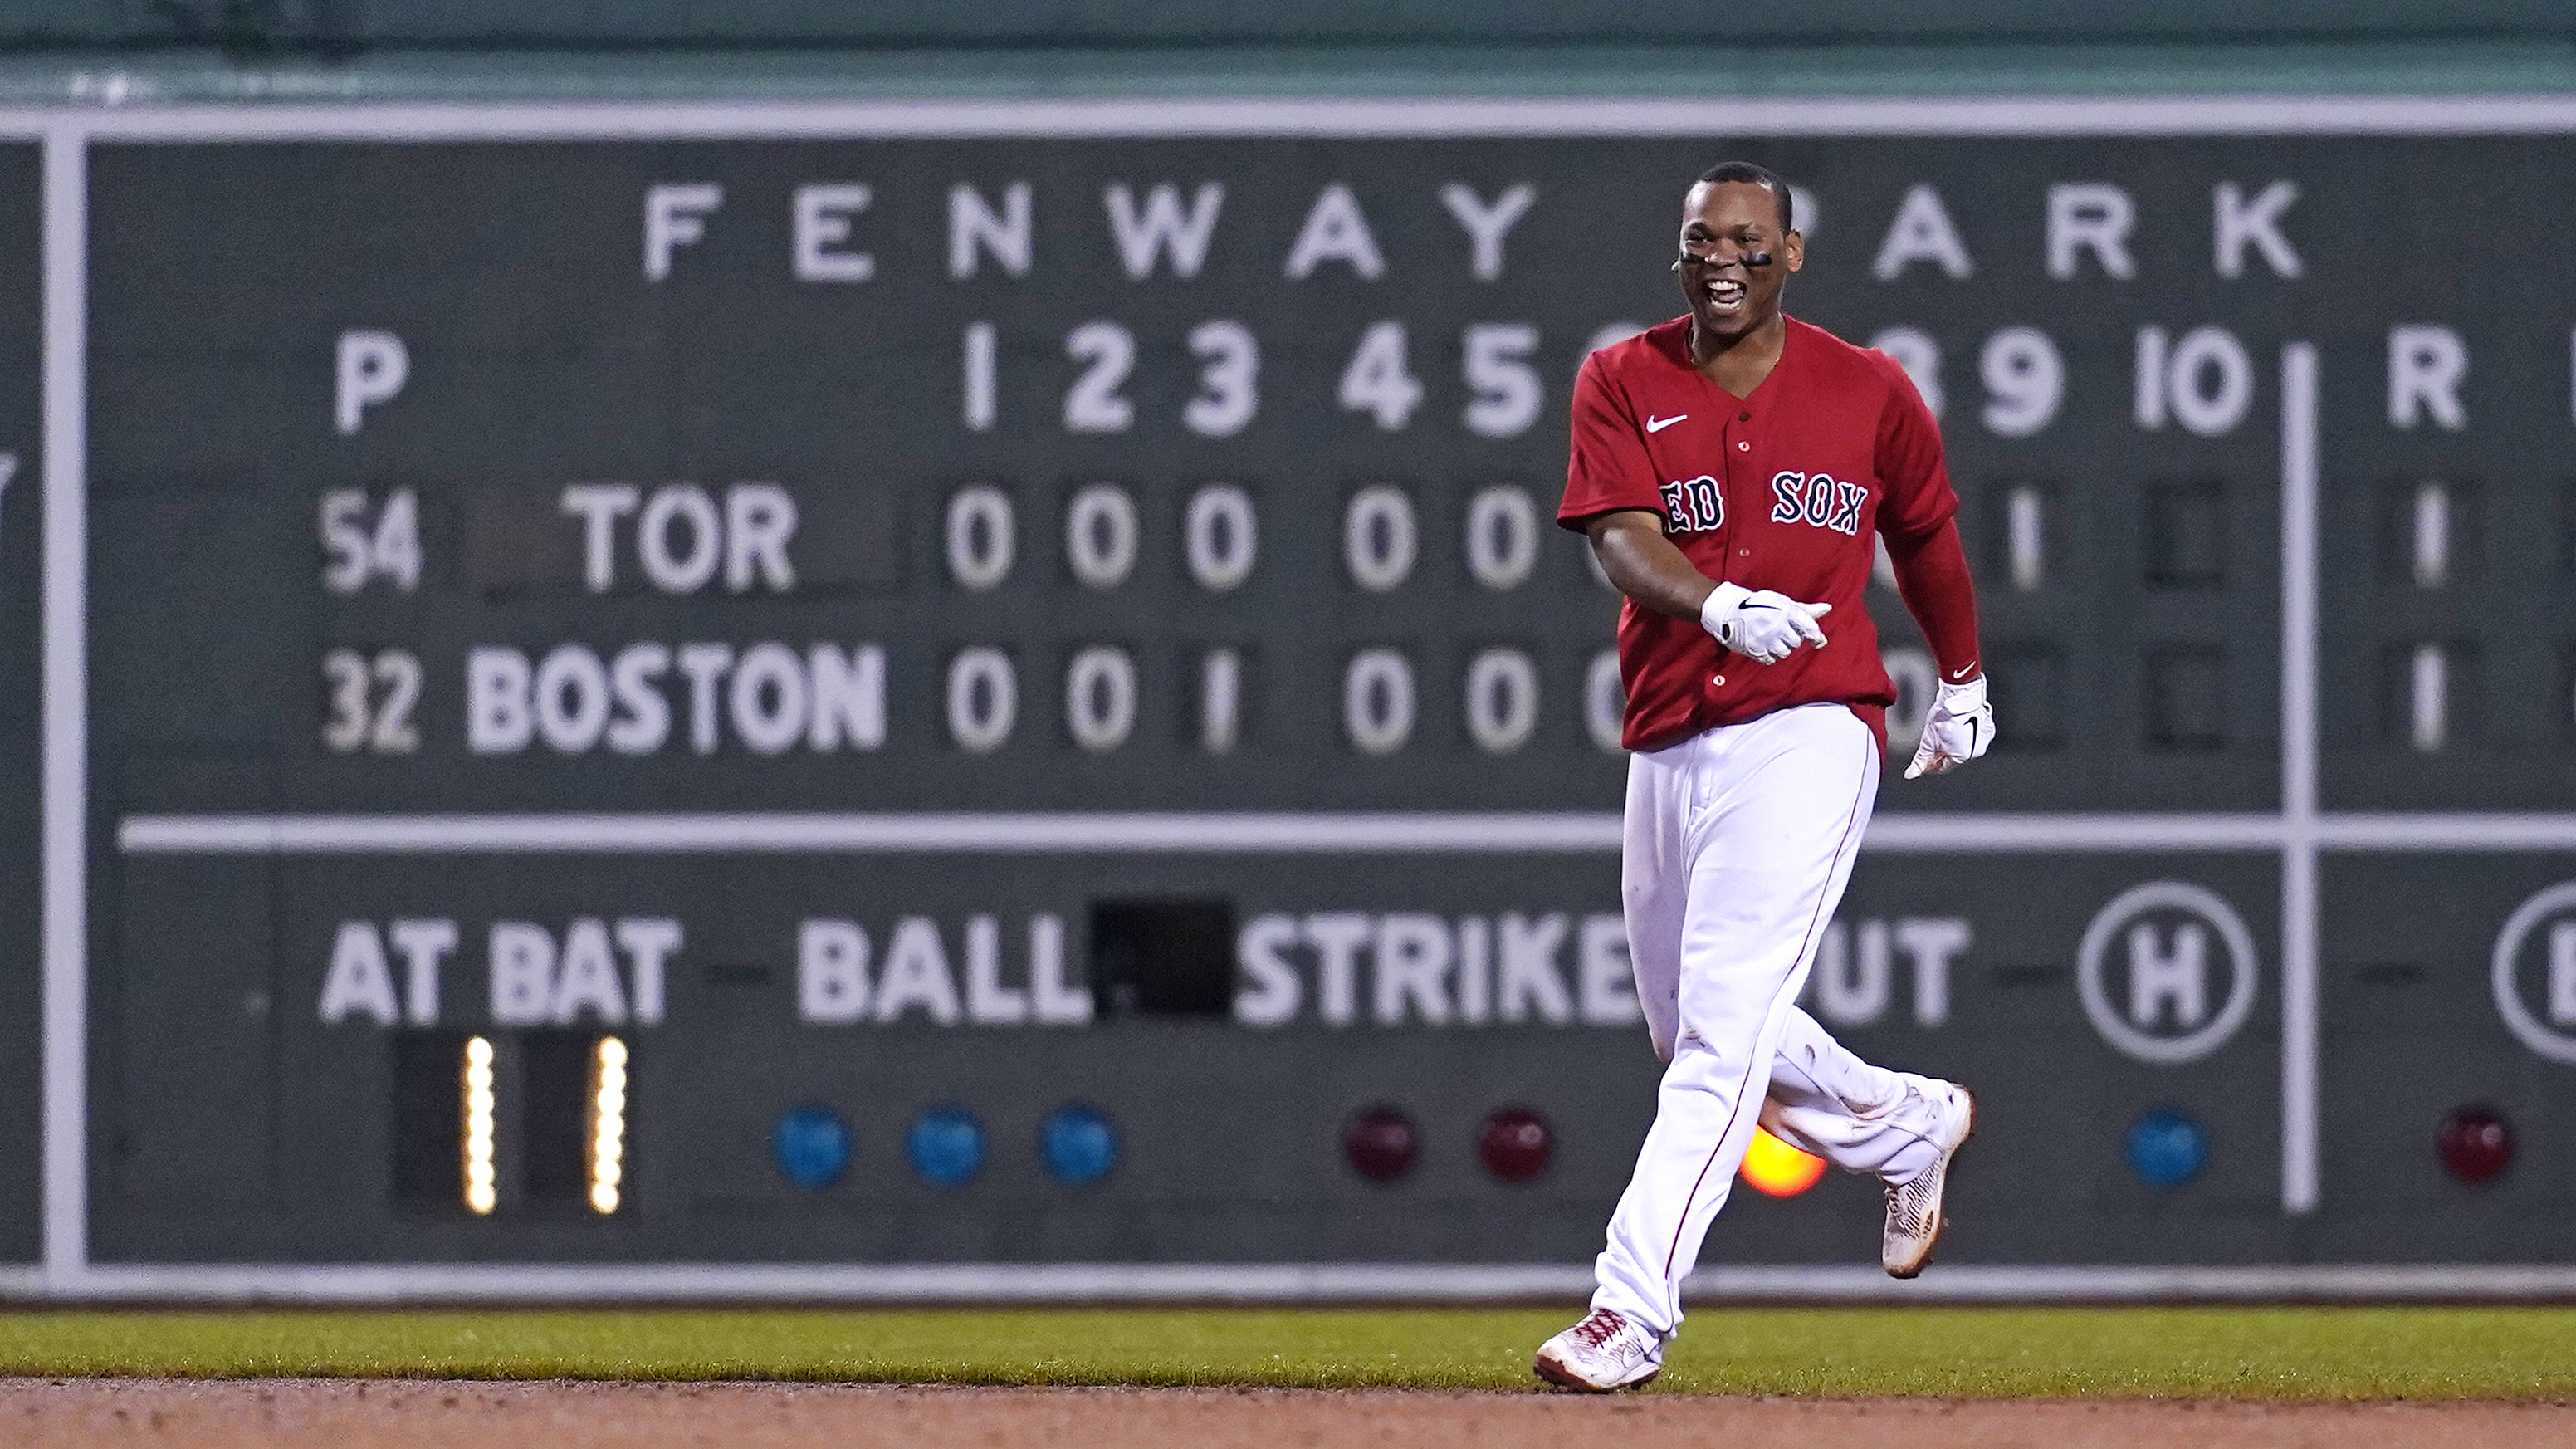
<point>898,700</point>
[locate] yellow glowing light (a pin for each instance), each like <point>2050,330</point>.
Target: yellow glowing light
<point>481,1191</point>
<point>607,1124</point>
<point>1776,1169</point>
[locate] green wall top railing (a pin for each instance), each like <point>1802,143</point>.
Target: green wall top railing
<point>1087,23</point>
<point>238,50</point>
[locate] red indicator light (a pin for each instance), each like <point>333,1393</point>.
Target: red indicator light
<point>2476,1143</point>
<point>1380,1144</point>
<point>1514,1143</point>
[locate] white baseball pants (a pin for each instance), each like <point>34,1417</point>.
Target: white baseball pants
<point>1738,844</point>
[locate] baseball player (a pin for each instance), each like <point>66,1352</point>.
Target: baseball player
<point>1730,468</point>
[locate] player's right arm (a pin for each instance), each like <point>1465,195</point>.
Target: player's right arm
<point>1644,565</point>
<point>1612,495</point>
<point>1932,577</point>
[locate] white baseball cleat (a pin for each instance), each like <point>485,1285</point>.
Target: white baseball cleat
<point>1602,1353</point>
<point>1914,1218</point>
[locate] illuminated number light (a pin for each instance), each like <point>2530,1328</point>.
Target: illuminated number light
<point>607,1123</point>
<point>481,1182</point>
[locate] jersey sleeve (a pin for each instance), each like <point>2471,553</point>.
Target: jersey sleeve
<point>1932,577</point>
<point>1917,498</point>
<point>1606,465</point>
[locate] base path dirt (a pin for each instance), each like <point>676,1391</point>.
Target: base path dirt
<point>413,1414</point>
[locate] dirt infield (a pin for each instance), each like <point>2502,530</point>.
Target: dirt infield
<point>419,1414</point>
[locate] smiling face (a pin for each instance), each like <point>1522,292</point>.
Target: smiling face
<point>1723,223</point>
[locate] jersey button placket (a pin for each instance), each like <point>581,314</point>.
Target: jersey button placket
<point>1729,449</point>
<point>1739,483</point>
<point>1743,444</point>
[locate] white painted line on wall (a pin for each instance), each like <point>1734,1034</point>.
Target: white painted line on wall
<point>2434,830</point>
<point>64,931</point>
<point>2299,866</point>
<point>1114,832</point>
<point>888,833</point>
<point>2287,1283</point>
<point>1361,833</point>
<point>1271,1283</point>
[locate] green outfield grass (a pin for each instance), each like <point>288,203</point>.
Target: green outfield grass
<point>2264,1353</point>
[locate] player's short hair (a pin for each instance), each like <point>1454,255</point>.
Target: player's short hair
<point>1759,176</point>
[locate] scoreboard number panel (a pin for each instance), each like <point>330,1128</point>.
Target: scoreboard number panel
<point>1267,435</point>
<point>1005,699</point>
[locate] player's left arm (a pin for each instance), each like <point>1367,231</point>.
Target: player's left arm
<point>1916,517</point>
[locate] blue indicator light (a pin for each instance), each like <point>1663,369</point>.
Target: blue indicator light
<point>1079,1145</point>
<point>946,1145</point>
<point>812,1145</point>
<point>2167,1147</point>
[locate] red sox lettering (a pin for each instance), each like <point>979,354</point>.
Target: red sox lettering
<point>1695,505</point>
<point>1817,500</point>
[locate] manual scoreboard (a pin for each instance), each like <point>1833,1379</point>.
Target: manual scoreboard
<point>1018,699</point>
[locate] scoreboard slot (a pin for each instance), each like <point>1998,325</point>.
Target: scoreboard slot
<point>2028,678</point>
<point>2186,534</point>
<point>2566,700</point>
<point>2186,696</point>
<point>1163,958</point>
<point>573,1120</point>
<point>434,1137</point>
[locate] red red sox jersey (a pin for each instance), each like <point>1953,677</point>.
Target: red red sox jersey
<point>1778,490</point>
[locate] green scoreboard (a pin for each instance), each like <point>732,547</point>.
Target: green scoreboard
<point>990,689</point>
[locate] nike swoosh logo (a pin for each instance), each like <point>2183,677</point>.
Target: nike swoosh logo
<point>1657,425</point>
<point>1962,674</point>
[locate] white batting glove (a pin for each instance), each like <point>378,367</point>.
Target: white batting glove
<point>1960,727</point>
<point>1760,625</point>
